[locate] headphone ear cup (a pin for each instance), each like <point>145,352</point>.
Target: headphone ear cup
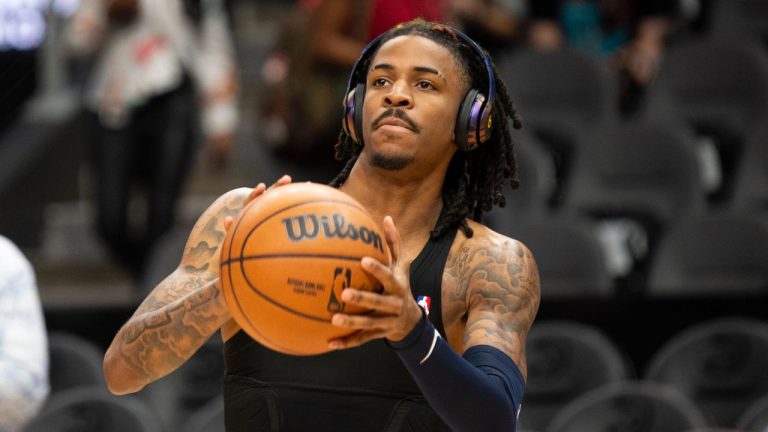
<point>464,125</point>
<point>473,124</point>
<point>357,114</point>
<point>353,113</point>
<point>349,114</point>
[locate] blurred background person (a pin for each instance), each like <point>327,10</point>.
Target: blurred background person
<point>633,34</point>
<point>23,341</point>
<point>164,75</point>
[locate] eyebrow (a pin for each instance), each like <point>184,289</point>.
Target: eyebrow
<point>423,69</point>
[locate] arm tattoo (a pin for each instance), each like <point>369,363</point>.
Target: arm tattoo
<point>186,308</point>
<point>500,283</point>
<point>157,342</point>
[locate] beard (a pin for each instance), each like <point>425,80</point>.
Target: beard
<point>391,162</point>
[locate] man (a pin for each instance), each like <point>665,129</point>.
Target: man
<point>458,365</point>
<point>24,383</point>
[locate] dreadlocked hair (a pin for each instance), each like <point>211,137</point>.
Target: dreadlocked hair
<point>474,182</point>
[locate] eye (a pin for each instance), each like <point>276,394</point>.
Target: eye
<point>378,82</point>
<point>425,85</point>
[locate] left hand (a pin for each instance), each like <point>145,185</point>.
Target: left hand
<point>394,311</point>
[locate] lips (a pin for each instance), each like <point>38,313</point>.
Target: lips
<point>396,117</point>
<point>392,121</point>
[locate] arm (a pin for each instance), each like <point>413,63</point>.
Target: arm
<point>23,344</point>
<point>481,390</point>
<point>503,293</point>
<point>181,313</point>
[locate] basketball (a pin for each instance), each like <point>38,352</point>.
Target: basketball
<point>286,259</point>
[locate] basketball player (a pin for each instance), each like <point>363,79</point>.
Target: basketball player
<point>428,150</point>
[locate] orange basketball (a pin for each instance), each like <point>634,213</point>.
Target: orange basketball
<point>286,259</point>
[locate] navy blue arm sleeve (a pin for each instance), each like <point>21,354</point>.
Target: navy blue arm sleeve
<point>482,390</point>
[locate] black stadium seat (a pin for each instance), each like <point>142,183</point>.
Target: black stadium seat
<point>565,360</point>
<point>74,362</point>
<point>629,406</point>
<point>719,364</point>
<point>750,192</point>
<point>638,177</point>
<point>719,88</point>
<point>561,95</point>
<point>741,19</point>
<point>721,255</point>
<point>92,409</point>
<point>755,418</point>
<point>570,258</point>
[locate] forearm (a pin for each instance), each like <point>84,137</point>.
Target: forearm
<point>466,397</point>
<point>154,343</point>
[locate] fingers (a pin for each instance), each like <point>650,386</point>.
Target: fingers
<point>369,300</point>
<point>393,239</point>
<point>262,188</point>
<point>228,222</point>
<point>382,273</point>
<point>255,193</point>
<point>282,181</point>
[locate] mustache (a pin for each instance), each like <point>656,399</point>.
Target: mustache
<point>399,114</point>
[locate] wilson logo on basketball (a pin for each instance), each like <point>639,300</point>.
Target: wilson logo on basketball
<point>309,226</point>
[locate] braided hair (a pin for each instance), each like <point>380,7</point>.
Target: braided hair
<point>474,181</point>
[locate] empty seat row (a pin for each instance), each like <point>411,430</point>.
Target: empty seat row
<point>711,255</point>
<point>711,374</point>
<point>717,90</point>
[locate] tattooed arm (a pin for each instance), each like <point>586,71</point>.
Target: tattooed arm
<point>181,313</point>
<point>501,282</point>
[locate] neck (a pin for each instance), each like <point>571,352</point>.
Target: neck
<point>413,202</point>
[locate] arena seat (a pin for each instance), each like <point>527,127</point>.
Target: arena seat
<point>565,360</point>
<point>719,88</point>
<point>536,175</point>
<point>561,95</point>
<point>209,418</point>
<point>721,255</point>
<point>755,418</point>
<point>189,388</point>
<point>570,258</point>
<point>74,362</point>
<point>92,409</point>
<point>629,406</point>
<point>750,193</point>
<point>633,180</point>
<point>741,19</point>
<point>647,168</point>
<point>719,364</point>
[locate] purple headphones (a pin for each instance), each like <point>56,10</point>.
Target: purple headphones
<point>473,123</point>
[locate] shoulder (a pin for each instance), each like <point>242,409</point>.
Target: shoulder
<point>495,269</point>
<point>487,247</point>
<point>499,283</point>
<point>228,204</point>
<point>209,231</point>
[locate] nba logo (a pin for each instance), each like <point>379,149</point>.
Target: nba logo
<point>425,302</point>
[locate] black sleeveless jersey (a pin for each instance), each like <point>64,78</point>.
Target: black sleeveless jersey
<point>360,389</point>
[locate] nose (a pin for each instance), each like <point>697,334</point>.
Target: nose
<point>399,96</point>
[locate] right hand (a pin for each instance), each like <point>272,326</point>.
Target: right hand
<point>258,191</point>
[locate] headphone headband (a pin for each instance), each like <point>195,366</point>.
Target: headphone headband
<point>474,121</point>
